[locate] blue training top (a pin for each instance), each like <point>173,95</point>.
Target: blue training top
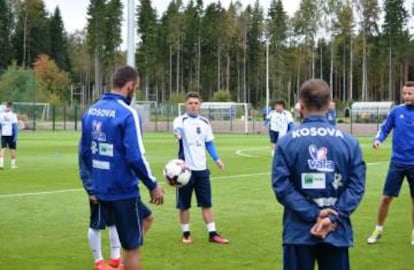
<point>401,120</point>
<point>317,166</point>
<point>112,150</point>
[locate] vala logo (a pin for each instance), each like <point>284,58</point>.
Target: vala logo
<point>319,161</point>
<point>97,133</point>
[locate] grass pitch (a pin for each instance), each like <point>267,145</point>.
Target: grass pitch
<point>44,211</point>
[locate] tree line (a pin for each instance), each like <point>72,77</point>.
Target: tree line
<point>362,48</point>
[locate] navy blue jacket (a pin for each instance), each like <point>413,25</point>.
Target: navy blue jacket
<point>317,166</point>
<point>111,150</point>
<point>401,120</point>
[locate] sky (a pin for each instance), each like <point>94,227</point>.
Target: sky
<point>74,11</point>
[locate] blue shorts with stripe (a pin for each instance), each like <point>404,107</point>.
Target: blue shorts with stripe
<point>200,183</point>
<point>395,178</point>
<point>126,215</point>
<point>302,257</point>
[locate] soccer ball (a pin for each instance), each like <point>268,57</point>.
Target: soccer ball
<point>177,173</point>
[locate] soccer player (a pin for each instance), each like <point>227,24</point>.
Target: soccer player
<point>9,131</point>
<point>280,121</point>
<point>96,224</point>
<point>331,114</point>
<point>401,121</point>
<point>318,175</point>
<point>195,136</point>
<point>112,149</point>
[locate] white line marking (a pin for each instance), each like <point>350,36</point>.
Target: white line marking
<point>39,193</point>
<point>14,195</point>
<point>240,153</point>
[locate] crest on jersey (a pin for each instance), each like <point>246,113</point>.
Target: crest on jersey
<point>198,130</point>
<point>97,133</point>
<point>319,159</point>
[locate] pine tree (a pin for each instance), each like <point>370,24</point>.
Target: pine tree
<point>394,31</point>
<point>6,29</point>
<point>58,41</point>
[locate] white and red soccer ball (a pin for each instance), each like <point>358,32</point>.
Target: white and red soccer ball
<point>177,173</point>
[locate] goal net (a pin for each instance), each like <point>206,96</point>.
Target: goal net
<point>33,110</point>
<point>225,116</point>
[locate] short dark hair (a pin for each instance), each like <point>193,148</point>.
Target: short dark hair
<point>9,104</point>
<point>315,94</point>
<point>279,102</point>
<point>192,95</point>
<point>409,84</point>
<point>123,75</point>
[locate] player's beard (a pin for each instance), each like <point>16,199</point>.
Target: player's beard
<point>130,93</point>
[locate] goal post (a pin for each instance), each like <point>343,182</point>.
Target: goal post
<point>41,110</point>
<point>224,116</point>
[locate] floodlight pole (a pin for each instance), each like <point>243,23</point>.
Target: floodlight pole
<point>131,37</point>
<point>131,34</point>
<point>267,76</point>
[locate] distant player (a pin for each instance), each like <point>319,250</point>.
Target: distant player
<point>9,131</point>
<point>401,121</point>
<point>280,121</point>
<point>318,175</point>
<point>195,136</point>
<point>331,114</point>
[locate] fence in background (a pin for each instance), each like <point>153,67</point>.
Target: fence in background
<point>160,118</point>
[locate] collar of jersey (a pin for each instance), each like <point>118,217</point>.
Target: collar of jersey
<point>314,118</point>
<point>116,96</point>
<point>192,115</point>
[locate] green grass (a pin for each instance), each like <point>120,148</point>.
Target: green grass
<point>48,230</point>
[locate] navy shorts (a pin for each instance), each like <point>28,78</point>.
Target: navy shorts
<point>274,135</point>
<point>395,177</point>
<point>127,216</point>
<point>200,183</point>
<point>7,141</point>
<point>328,257</point>
<point>99,217</point>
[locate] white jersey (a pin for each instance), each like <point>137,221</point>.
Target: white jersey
<point>194,132</point>
<point>279,121</point>
<point>7,119</point>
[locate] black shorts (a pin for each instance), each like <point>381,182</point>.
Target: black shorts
<point>8,141</point>
<point>274,135</point>
<point>127,215</point>
<point>395,178</point>
<point>200,183</point>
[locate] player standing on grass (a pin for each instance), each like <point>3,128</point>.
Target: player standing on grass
<point>9,130</point>
<point>331,114</point>
<point>195,136</point>
<point>318,175</point>
<point>280,121</point>
<point>401,121</point>
<point>96,224</point>
<point>112,149</point>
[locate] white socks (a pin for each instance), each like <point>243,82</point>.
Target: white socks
<point>114,243</point>
<point>94,237</point>
<point>379,227</point>
<point>1,162</point>
<point>211,227</point>
<point>185,227</point>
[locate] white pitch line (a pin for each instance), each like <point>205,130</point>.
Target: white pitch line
<point>39,193</point>
<point>15,195</point>
<point>240,153</point>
